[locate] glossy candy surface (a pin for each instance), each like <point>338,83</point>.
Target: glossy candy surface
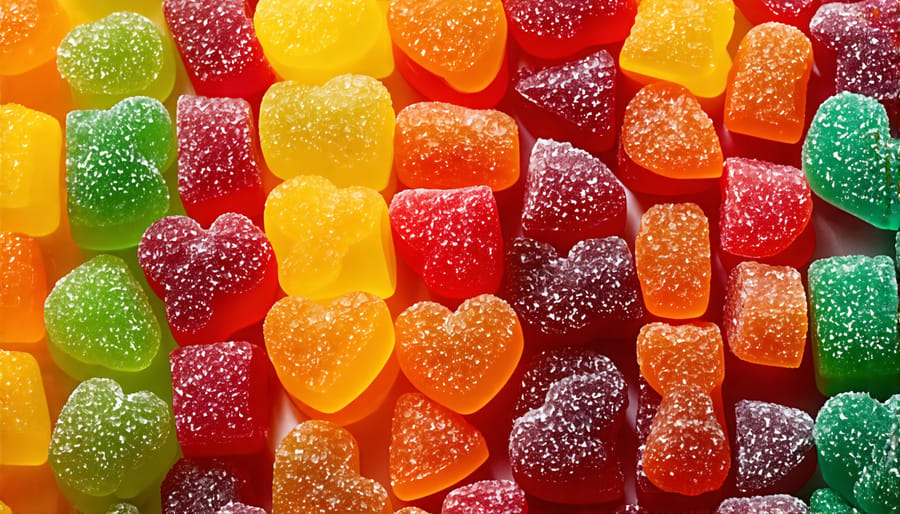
<point>23,288</point>
<point>24,418</point>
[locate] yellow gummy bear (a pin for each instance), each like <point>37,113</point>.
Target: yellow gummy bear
<point>342,130</point>
<point>311,41</point>
<point>681,41</point>
<point>330,241</point>
<point>30,143</point>
<point>24,417</point>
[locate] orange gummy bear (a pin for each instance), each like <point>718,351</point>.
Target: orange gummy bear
<point>463,359</point>
<point>23,289</point>
<point>317,471</point>
<point>672,257</point>
<point>766,94</point>
<point>432,448</point>
<point>671,356</point>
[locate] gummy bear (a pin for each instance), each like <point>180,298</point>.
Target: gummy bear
<point>24,418</point>
<point>23,288</point>
<point>30,34</point>
<point>202,486</point>
<point>773,504</point>
<point>672,356</point>
<point>486,497</point>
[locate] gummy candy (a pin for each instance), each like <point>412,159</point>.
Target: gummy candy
<point>551,30</point>
<point>766,94</point>
<point>853,324</point>
<point>202,486</point>
<point>574,101</point>
<point>108,445</point>
<point>773,504</point>
<point>672,356</point>
<point>114,162</point>
<point>123,508</point>
<point>431,447</point>
<point>327,355</point>
<point>486,497</point>
<point>29,171</point>
<point>791,12</point>
<point>330,241</point>
<point>827,501</point>
<point>119,56</point>
<point>342,130</point>
<point>240,508</point>
<point>220,398</point>
<point>765,318</point>
<point>219,161</point>
<point>851,161</point>
<point>570,195</point>
<point>878,489</point>
<point>648,406</point>
<point>592,292</point>
<point>219,47</point>
<point>213,281</point>
<point>681,41</point>
<point>672,257</point>
<point>30,33</point>
<point>445,146</point>
<point>24,418</point>
<point>88,10</point>
<point>451,238</point>
<point>411,510</point>
<point>311,42</point>
<point>23,288</point>
<point>100,317</point>
<point>317,471</point>
<point>459,359</point>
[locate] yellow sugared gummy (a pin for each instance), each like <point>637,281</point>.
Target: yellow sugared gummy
<point>30,143</point>
<point>311,41</point>
<point>681,41</point>
<point>24,417</point>
<point>330,241</point>
<point>342,130</point>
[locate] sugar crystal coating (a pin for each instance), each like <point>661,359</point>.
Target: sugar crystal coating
<point>123,508</point>
<point>878,489</point>
<point>486,497</point>
<point>773,504</point>
<point>672,356</point>
<point>24,418</point>
<point>772,440</point>
<point>240,508</point>
<point>23,289</point>
<point>828,501</point>
<point>29,34</point>
<point>202,486</point>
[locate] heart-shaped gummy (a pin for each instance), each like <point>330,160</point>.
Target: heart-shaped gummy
<point>671,356</point>
<point>109,445</point>
<point>459,359</point>
<point>486,497</point>
<point>851,161</point>
<point>327,355</point>
<point>330,241</point>
<point>317,470</point>
<point>213,281</point>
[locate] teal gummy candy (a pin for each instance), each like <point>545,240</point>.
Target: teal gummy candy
<point>100,318</point>
<point>827,501</point>
<point>108,446</point>
<point>878,489</point>
<point>121,55</point>
<point>853,322</point>
<point>114,164</point>
<point>851,161</point>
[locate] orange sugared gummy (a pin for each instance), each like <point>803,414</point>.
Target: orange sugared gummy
<point>671,356</point>
<point>30,31</point>
<point>672,256</point>
<point>23,289</point>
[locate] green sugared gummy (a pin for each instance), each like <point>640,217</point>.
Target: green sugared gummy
<point>853,322</point>
<point>114,165</point>
<point>827,501</point>
<point>108,446</point>
<point>851,161</point>
<point>878,489</point>
<point>99,316</point>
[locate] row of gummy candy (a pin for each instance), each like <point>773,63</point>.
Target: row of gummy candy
<point>302,127</point>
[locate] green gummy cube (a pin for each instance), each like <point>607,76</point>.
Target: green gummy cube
<point>827,501</point>
<point>878,488</point>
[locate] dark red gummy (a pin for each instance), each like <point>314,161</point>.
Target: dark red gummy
<point>790,12</point>
<point>486,497</point>
<point>774,504</point>
<point>203,486</point>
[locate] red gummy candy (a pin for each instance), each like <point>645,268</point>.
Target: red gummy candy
<point>203,486</point>
<point>486,497</point>
<point>791,12</point>
<point>774,504</point>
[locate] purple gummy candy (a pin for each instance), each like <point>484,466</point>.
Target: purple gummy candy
<point>486,497</point>
<point>203,486</point>
<point>648,405</point>
<point>240,508</point>
<point>774,504</point>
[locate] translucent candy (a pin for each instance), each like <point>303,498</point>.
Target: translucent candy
<point>432,448</point>
<point>202,486</point>
<point>486,497</point>
<point>121,508</point>
<point>672,356</point>
<point>342,130</point>
<point>566,450</point>
<point>30,33</point>
<point>119,56</point>
<point>592,291</point>
<point>445,146</point>
<point>774,504</point>
<point>213,281</point>
<point>114,165</point>
<point>24,418</point>
<point>452,238</point>
<point>459,359</point>
<point>574,101</point>
<point>878,489</point>
<point>570,195</point>
<point>240,508</point>
<point>23,288</point>
<point>827,501</point>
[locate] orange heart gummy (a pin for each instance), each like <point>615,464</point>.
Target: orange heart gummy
<point>460,360</point>
<point>317,471</point>
<point>326,356</point>
<point>672,356</point>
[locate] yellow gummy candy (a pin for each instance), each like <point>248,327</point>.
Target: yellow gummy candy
<point>24,418</point>
<point>311,41</point>
<point>30,144</point>
<point>681,41</point>
<point>4,508</point>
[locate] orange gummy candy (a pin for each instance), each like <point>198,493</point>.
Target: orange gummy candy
<point>30,31</point>
<point>672,257</point>
<point>766,95</point>
<point>671,356</point>
<point>317,471</point>
<point>23,289</point>
<point>432,448</point>
<point>463,359</point>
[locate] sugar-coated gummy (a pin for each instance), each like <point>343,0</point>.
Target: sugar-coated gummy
<point>123,508</point>
<point>23,289</point>
<point>828,501</point>
<point>240,508</point>
<point>30,34</point>
<point>203,486</point>
<point>24,417</point>
<point>486,497</point>
<point>772,504</point>
<point>877,490</point>
<point>672,356</point>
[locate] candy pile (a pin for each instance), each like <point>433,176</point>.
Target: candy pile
<point>449,256</point>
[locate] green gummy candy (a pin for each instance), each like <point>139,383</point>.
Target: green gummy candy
<point>851,161</point>
<point>114,164</point>
<point>99,316</point>
<point>123,508</point>
<point>827,501</point>
<point>108,446</point>
<point>853,322</point>
<point>121,55</point>
<point>878,488</point>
